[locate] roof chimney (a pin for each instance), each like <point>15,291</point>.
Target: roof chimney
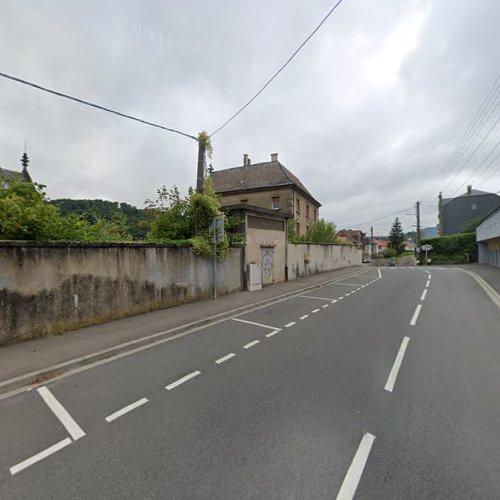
<point>274,156</point>
<point>469,190</point>
<point>246,160</point>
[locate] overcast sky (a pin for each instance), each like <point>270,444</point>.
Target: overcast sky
<point>368,115</point>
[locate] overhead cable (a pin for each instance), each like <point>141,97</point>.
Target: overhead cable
<point>93,105</point>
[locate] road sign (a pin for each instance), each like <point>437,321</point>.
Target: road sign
<point>217,228</point>
<point>426,248</point>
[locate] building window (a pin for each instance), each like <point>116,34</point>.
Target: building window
<point>298,229</point>
<point>315,215</point>
<point>244,201</point>
<point>473,206</point>
<point>298,205</point>
<point>307,210</point>
<point>275,202</point>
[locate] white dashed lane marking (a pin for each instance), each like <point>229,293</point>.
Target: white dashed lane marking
<point>251,344</point>
<point>355,471</point>
<point>225,358</point>
<point>126,409</point>
<point>40,456</point>
<point>413,321</point>
<point>270,334</point>
<point>173,385</point>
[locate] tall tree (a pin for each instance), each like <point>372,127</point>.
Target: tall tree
<point>397,236</point>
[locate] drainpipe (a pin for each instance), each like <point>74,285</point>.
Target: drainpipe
<point>286,249</point>
<point>244,254</point>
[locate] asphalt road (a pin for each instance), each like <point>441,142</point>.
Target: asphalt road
<point>350,388</point>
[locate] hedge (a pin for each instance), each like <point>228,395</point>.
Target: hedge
<point>451,246</point>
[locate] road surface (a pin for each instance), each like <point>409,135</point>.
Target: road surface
<point>381,385</point>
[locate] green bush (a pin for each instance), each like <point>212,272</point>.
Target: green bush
<point>389,253</point>
<point>175,218</point>
<point>25,214</point>
<point>452,245</point>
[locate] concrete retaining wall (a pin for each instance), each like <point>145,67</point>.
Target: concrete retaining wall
<point>48,288</point>
<point>313,258</point>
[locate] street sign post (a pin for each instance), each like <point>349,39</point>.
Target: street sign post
<point>426,248</point>
<point>217,232</point>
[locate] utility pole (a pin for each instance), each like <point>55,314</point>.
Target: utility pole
<point>201,166</point>
<point>371,242</point>
<point>418,224</point>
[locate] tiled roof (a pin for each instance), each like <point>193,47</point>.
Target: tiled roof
<point>258,176</point>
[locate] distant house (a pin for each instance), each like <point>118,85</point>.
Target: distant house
<point>268,185</point>
<point>409,245</point>
<point>379,246</point>
<point>9,176</point>
<point>355,237</point>
<point>472,205</point>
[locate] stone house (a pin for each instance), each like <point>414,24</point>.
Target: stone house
<point>268,185</point>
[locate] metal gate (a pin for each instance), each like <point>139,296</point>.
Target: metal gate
<point>267,265</point>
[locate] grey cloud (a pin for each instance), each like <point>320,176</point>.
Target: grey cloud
<point>364,148</point>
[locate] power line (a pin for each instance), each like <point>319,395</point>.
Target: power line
<point>465,140</point>
<point>92,105</point>
<point>494,171</point>
<point>380,218</point>
<point>486,158</point>
<point>473,152</point>
<point>279,70</point>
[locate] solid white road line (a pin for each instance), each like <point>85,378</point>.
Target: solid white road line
<point>314,311</point>
<point>251,344</point>
<point>60,412</point>
<point>225,358</point>
<point>355,471</point>
<point>256,324</point>
<point>39,456</point>
<point>288,325</point>
<point>414,318</point>
<point>427,284</point>
<point>325,306</point>
<point>311,297</point>
<point>391,380</point>
<point>191,375</point>
<point>272,333</point>
<point>379,273</point>
<point>424,293</point>
<point>126,409</point>
<point>304,317</point>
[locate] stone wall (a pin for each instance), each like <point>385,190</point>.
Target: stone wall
<point>313,258</point>
<point>50,288</point>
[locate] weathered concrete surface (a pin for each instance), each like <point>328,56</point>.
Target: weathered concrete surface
<point>50,288</point>
<point>312,258</point>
